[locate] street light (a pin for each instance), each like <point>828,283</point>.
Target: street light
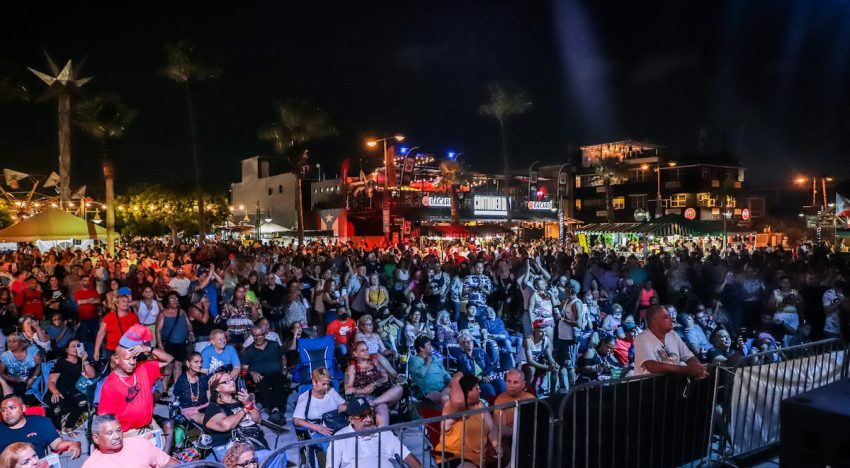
<point>800,180</point>
<point>560,204</point>
<point>386,211</point>
<point>658,183</point>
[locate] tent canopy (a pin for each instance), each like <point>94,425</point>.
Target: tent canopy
<point>52,224</point>
<point>272,228</point>
<point>669,225</point>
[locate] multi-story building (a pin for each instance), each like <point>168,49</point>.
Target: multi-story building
<point>652,181</point>
<point>267,191</point>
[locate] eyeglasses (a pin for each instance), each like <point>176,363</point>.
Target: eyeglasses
<point>250,462</point>
<point>257,336</point>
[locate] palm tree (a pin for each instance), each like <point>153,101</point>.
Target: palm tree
<point>298,124</point>
<point>451,175</point>
<point>610,169</point>
<point>505,102</point>
<point>105,119</point>
<point>61,85</point>
<point>184,67</point>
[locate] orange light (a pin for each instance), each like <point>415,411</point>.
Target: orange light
<point>800,180</point>
<point>371,143</point>
<point>644,166</point>
<point>672,163</point>
<point>399,137</point>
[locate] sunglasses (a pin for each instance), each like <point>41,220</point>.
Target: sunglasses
<point>250,462</point>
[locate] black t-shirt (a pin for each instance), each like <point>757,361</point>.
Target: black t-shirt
<point>274,297</point>
<point>69,374</point>
<point>222,438</point>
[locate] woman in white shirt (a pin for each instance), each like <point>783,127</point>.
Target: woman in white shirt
<point>321,399</point>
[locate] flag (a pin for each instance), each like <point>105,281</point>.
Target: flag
<point>842,205</point>
<point>12,178</point>
<point>80,193</point>
<point>52,180</point>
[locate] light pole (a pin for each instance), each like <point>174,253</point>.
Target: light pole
<point>560,204</point>
<point>658,183</point>
<point>387,164</point>
<point>823,180</point>
<point>530,172</point>
<point>408,154</point>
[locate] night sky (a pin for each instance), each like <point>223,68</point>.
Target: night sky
<point>767,80</point>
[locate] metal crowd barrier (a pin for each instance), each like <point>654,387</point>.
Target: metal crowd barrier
<point>750,393</point>
<point>646,421</point>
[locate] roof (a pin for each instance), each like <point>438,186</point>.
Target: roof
<point>52,224</point>
<point>452,231</point>
<point>665,226</point>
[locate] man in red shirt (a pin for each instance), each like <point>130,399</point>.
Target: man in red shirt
<point>29,300</point>
<point>87,300</point>
<point>128,391</point>
<point>342,329</point>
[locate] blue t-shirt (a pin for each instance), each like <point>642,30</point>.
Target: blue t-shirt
<point>38,430</point>
<point>213,360</point>
<point>18,368</point>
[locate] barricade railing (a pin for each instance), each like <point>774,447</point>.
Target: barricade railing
<point>431,444</point>
<point>750,393</point>
<point>651,421</point>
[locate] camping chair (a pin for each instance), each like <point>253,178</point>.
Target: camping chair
<point>316,353</point>
<point>39,386</point>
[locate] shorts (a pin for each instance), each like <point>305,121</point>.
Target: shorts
<point>177,350</point>
<point>565,352</point>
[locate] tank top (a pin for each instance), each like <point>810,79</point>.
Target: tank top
<point>363,378</point>
<point>538,350</point>
<point>174,329</point>
<point>147,315</point>
<point>542,309</point>
<point>372,343</point>
<point>202,330</point>
<point>465,439</point>
<point>377,296</point>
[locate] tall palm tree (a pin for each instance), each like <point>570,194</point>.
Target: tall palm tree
<point>298,124</point>
<point>105,119</point>
<point>184,67</point>
<point>452,174</point>
<point>505,102</point>
<point>61,85</point>
<point>610,169</point>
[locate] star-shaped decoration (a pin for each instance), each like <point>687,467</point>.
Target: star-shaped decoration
<point>66,78</point>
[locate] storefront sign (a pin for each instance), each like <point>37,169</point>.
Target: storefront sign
<point>745,214</point>
<point>541,205</point>
<point>690,213</point>
<point>490,205</point>
<point>436,202</point>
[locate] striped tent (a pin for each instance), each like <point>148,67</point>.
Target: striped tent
<point>662,227</point>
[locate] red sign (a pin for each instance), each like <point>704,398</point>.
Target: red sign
<point>690,213</point>
<point>745,214</point>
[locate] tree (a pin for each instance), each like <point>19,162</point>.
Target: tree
<point>505,102</point>
<point>185,68</point>
<point>610,169</point>
<point>105,119</point>
<point>156,210</point>
<point>452,176</point>
<point>298,124</point>
<point>60,86</point>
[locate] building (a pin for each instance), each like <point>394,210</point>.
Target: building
<point>265,191</point>
<point>651,181</point>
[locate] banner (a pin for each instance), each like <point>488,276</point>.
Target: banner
<point>842,205</point>
<point>52,180</point>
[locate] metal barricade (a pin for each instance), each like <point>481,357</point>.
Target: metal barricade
<point>523,443</point>
<point>747,416</point>
<point>652,421</point>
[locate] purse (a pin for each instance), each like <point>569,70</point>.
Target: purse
<point>250,435</point>
<point>333,420</point>
<point>86,386</point>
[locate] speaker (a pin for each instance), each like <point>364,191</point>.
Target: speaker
<point>814,427</point>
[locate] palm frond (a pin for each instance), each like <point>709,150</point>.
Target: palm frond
<point>184,65</point>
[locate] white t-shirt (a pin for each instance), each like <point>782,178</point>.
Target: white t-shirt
<point>364,451</point>
<point>649,348</point>
<point>833,320</point>
<point>318,406</point>
<point>179,285</point>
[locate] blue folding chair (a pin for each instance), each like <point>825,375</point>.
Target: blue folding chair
<point>316,353</point>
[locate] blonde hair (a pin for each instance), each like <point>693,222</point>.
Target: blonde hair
<point>12,454</point>
<point>363,319</point>
<point>234,452</point>
<point>321,372</point>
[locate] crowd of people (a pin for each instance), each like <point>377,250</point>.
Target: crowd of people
<point>213,330</point>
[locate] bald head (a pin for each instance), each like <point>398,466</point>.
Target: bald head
<point>514,383</point>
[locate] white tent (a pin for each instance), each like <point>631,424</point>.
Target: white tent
<point>53,227</point>
<point>272,228</point>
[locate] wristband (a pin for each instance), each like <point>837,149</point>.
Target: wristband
<point>249,407</point>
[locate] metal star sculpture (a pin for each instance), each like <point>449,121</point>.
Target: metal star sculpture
<point>61,85</point>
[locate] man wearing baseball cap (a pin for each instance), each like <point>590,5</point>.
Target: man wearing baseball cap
<point>370,450</point>
<point>128,390</point>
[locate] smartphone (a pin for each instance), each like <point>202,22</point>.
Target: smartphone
<point>80,348</point>
<point>240,384</point>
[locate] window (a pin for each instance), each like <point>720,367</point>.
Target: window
<point>270,190</point>
<point>678,200</point>
<point>673,174</point>
<point>706,173</point>
<point>705,199</point>
<point>280,189</point>
<point>578,181</point>
<point>638,201</point>
<point>638,175</point>
<point>578,204</point>
<point>619,203</point>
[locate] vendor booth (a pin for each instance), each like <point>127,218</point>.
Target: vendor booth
<point>53,227</point>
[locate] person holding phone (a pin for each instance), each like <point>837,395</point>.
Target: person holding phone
<point>66,401</point>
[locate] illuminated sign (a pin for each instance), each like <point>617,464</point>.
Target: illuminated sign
<point>490,205</point>
<point>541,205</point>
<point>436,202</point>
<point>690,213</point>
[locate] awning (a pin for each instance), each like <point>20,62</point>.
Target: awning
<point>661,229</point>
<point>452,231</point>
<point>489,230</point>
